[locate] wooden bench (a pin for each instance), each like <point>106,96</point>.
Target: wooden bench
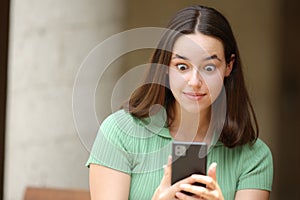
<point>36,193</point>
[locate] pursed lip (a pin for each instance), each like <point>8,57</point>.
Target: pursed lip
<point>194,95</point>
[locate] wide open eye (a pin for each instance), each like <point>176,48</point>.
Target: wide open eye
<point>182,67</point>
<point>209,68</point>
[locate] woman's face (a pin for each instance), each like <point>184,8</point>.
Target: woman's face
<point>197,70</point>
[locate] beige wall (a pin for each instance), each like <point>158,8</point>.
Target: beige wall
<point>256,29</point>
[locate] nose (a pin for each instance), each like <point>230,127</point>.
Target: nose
<point>195,79</point>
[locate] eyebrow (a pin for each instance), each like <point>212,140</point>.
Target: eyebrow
<point>180,57</point>
<point>212,57</point>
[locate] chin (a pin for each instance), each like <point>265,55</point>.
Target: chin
<point>193,109</point>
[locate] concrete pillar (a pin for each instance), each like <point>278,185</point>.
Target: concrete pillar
<point>48,41</point>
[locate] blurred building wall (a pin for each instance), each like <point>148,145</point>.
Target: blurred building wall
<point>49,39</point>
<point>255,26</point>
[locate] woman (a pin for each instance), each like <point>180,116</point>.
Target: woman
<point>194,91</point>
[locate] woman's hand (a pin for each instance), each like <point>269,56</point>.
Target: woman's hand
<point>211,192</point>
<point>165,190</point>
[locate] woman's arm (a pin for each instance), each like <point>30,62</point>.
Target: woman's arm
<point>106,183</point>
<point>251,194</point>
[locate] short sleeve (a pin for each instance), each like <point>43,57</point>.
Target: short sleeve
<point>256,167</point>
<point>109,148</point>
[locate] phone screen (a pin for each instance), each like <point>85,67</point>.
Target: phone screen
<point>188,158</point>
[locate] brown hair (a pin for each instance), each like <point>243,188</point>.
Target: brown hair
<point>240,126</point>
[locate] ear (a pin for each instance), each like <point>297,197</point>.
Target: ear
<point>229,65</point>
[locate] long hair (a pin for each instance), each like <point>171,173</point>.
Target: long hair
<point>240,126</point>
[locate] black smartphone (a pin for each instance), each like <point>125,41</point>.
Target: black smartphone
<point>188,158</point>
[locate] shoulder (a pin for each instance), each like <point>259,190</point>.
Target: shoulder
<point>125,124</point>
<point>258,155</point>
<point>256,150</point>
<point>243,167</point>
<point>117,118</point>
<point>110,147</point>
<point>117,129</point>
<point>256,159</point>
<point>257,147</point>
<point>245,157</point>
<point>256,166</point>
<point>251,154</point>
<point>120,123</point>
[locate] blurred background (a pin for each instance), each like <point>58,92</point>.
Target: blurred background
<point>44,42</point>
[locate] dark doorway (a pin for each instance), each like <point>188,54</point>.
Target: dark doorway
<point>288,158</point>
<point>4,33</point>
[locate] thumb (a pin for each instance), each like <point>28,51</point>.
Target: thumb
<point>166,180</point>
<point>212,171</point>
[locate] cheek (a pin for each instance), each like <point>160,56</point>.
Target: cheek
<point>214,86</point>
<point>176,80</point>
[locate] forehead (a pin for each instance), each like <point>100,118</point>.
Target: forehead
<point>198,44</point>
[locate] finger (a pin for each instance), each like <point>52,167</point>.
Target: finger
<point>183,196</point>
<point>175,187</point>
<point>208,181</point>
<point>212,171</point>
<point>198,191</point>
<point>166,180</point>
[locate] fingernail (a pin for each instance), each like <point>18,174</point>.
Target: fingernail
<point>164,167</point>
<point>169,159</point>
<point>214,164</point>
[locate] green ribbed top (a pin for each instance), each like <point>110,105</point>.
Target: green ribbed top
<point>141,148</point>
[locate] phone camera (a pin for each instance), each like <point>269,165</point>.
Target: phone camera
<point>180,150</point>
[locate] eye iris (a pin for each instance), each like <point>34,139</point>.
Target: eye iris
<point>181,67</point>
<point>209,68</point>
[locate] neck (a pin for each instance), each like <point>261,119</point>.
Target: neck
<point>190,126</point>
